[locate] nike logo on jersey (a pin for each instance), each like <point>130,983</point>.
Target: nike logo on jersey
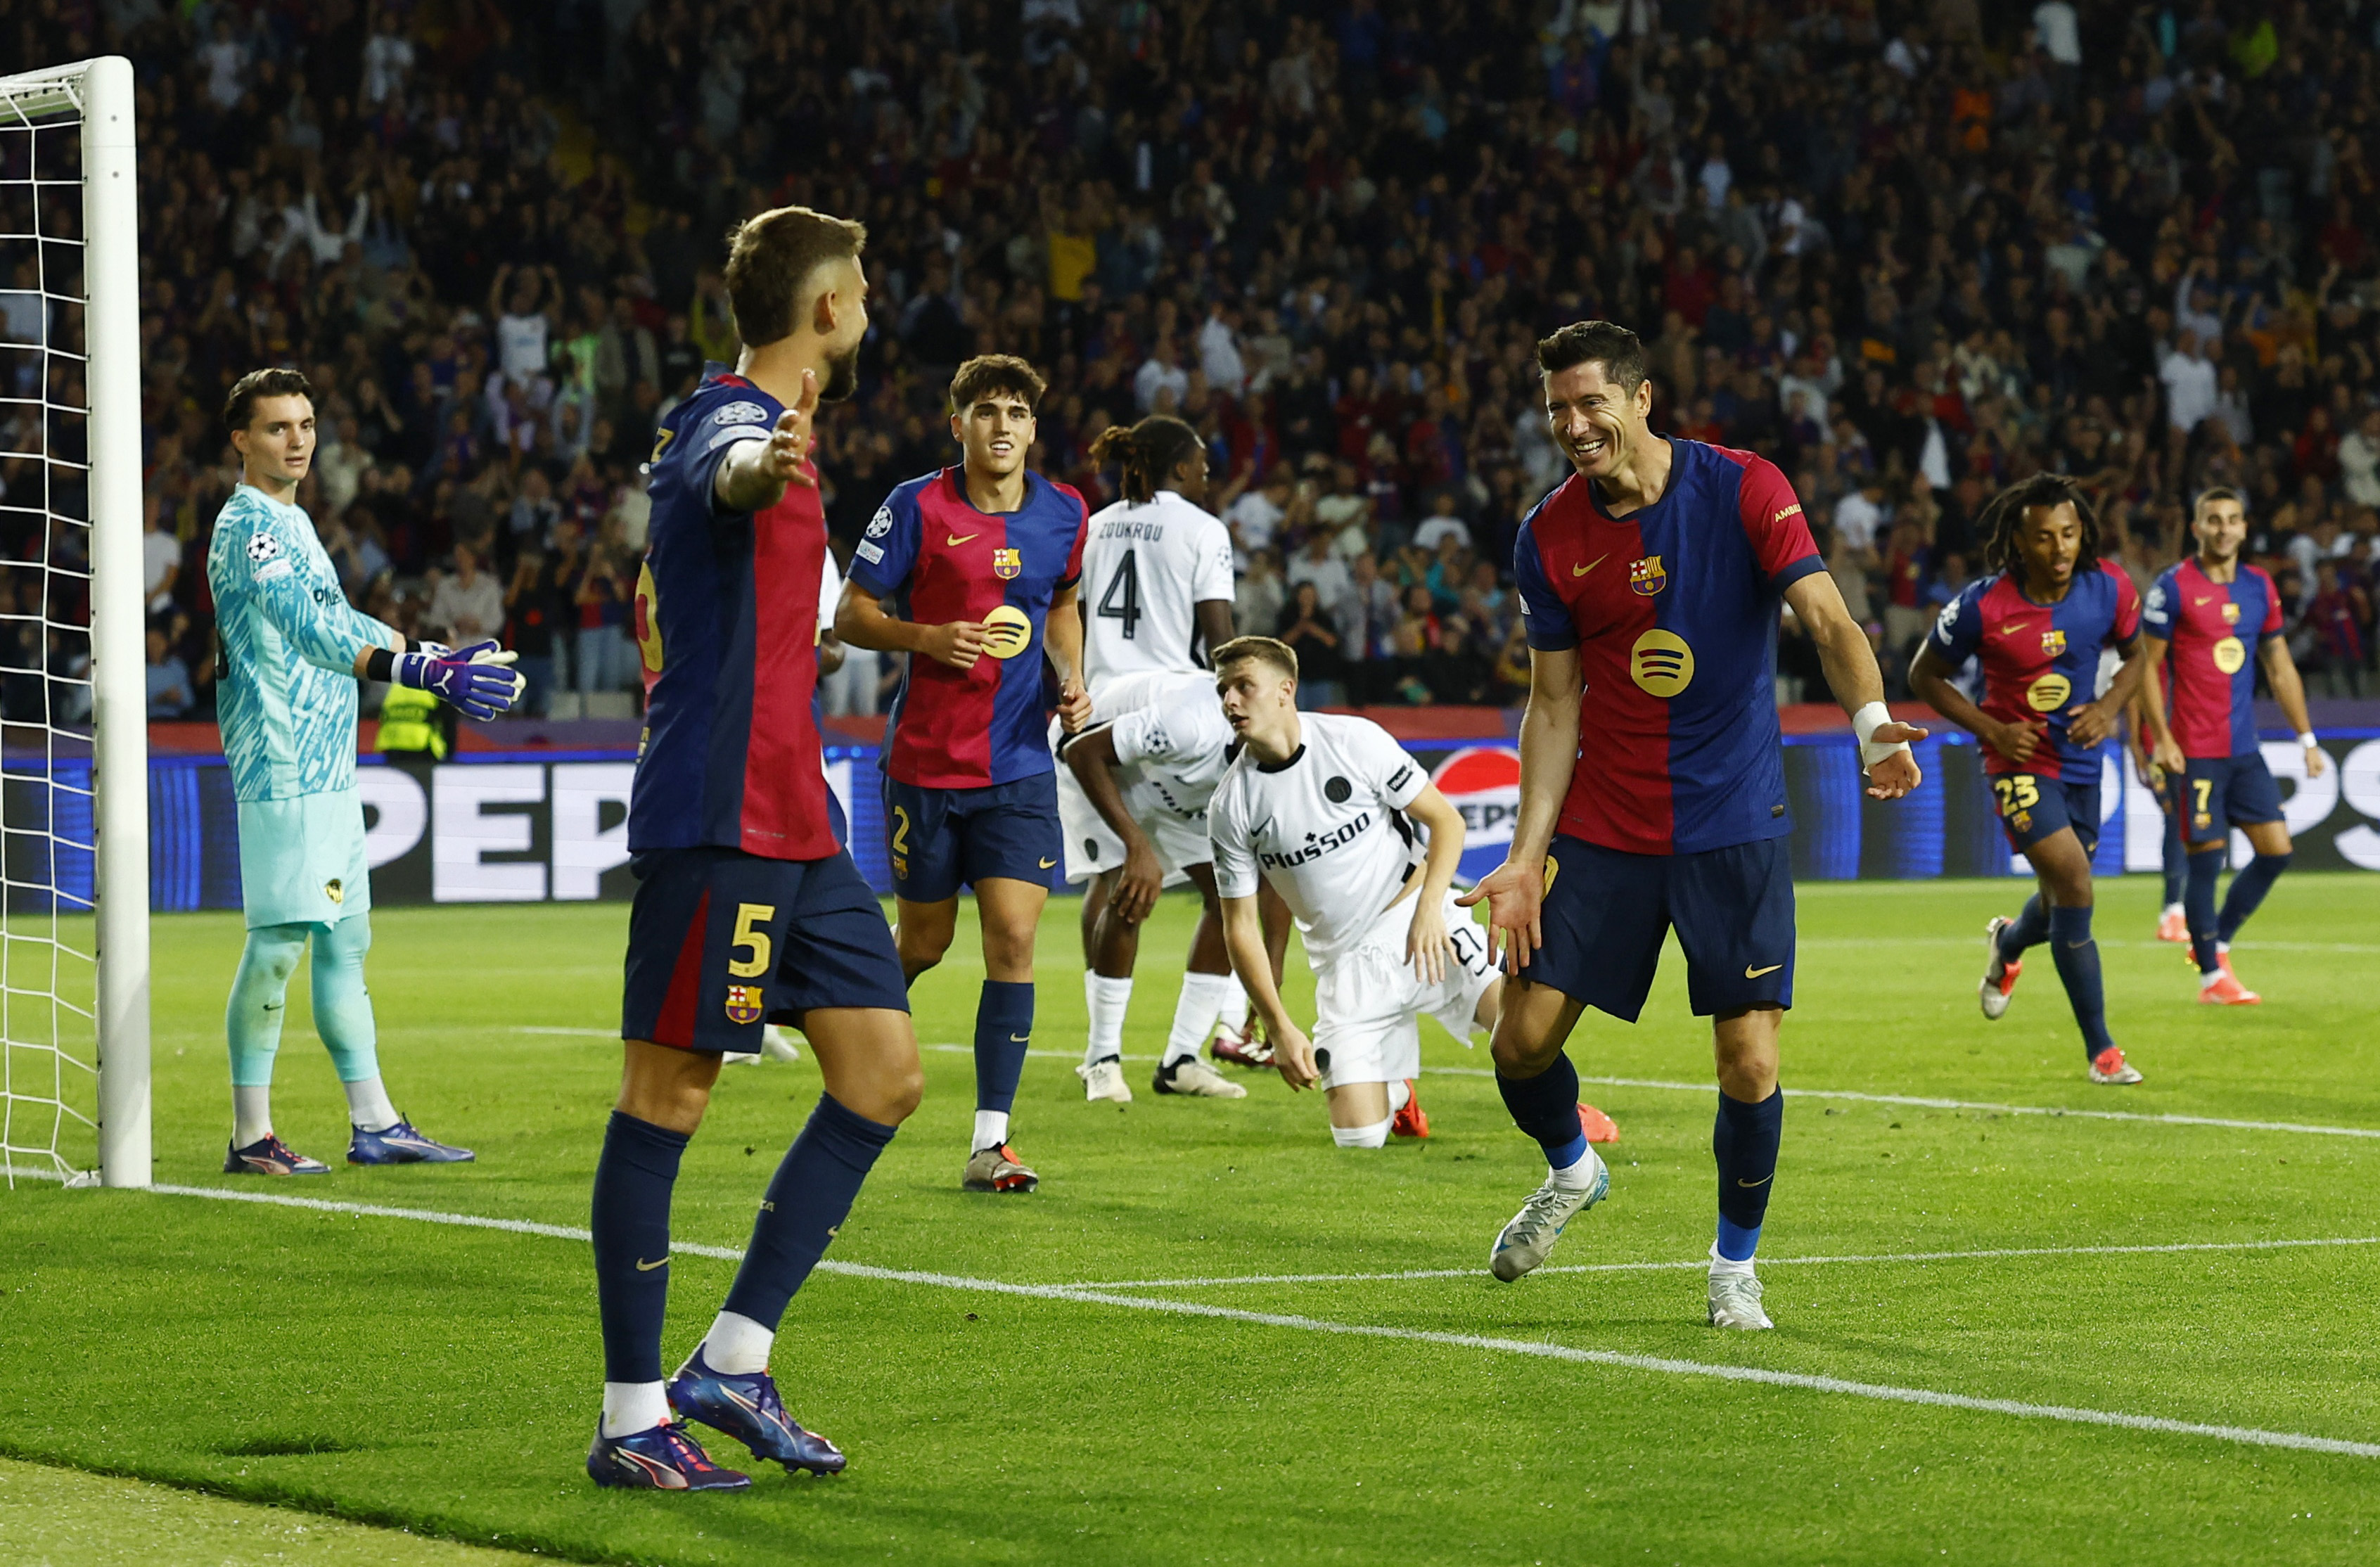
<point>2207,600</point>
<point>2011,627</point>
<point>1582,570</point>
<point>644,1266</point>
<point>960,538</point>
<point>1751,973</point>
<point>1049,864</point>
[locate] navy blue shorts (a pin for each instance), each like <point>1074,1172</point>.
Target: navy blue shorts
<point>1606,913</point>
<point>2031,808</point>
<point>2221,792</point>
<point>720,942</point>
<point>943,839</point>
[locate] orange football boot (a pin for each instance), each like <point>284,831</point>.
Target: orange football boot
<point>1412,1120</point>
<point>1599,1127</point>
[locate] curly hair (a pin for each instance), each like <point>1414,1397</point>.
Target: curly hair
<point>1148,453</point>
<point>2004,515</point>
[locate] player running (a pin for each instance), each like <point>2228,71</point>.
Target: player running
<point>1322,807</point>
<point>290,650</point>
<point>2038,622</point>
<point>748,906</point>
<point>2205,728</point>
<point>979,564</point>
<point>1158,566</point>
<point>1650,581</point>
<point>1148,764</point>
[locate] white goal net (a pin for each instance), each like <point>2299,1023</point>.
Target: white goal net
<point>74,915</point>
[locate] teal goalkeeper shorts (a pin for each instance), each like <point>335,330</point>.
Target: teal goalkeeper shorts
<point>301,860</point>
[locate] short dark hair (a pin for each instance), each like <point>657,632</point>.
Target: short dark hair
<point>2216,492</point>
<point>2004,513</point>
<point>1619,350</point>
<point>1264,649</point>
<point>240,406</point>
<point>1146,454</point>
<point>988,373</point>
<point>771,255</point>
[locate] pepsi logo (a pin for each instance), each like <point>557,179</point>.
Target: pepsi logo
<point>1484,783</point>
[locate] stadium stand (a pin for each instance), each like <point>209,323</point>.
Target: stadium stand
<point>1910,250</point>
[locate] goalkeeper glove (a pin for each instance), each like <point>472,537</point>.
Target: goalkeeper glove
<point>476,681</point>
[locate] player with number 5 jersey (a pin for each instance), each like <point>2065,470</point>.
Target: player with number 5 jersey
<point>971,571</point>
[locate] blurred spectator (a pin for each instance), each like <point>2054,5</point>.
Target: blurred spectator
<point>467,605</point>
<point>169,680</point>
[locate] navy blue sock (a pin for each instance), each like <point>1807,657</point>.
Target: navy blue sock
<point>2029,928</point>
<point>2077,957</point>
<point>2176,859</point>
<point>1003,1022</point>
<point>2248,890</point>
<point>1546,1107</point>
<point>1744,1141</point>
<point>2198,904</point>
<point>631,1220</point>
<point>809,1199</point>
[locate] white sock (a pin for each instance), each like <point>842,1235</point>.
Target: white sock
<point>251,1113</point>
<point>1235,1014</point>
<point>2207,979</point>
<point>2223,949</point>
<point>634,1406</point>
<point>1195,1012</point>
<point>368,1105</point>
<point>1399,1097</point>
<point>1576,1177</point>
<point>1107,1000</point>
<point>737,1345</point>
<point>990,1128</point>
<point>2173,908</point>
<point>1721,1268</point>
<point>1373,1136</point>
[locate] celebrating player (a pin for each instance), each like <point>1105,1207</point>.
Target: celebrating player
<point>291,651</point>
<point>1160,570</point>
<point>748,906</point>
<point>980,561</point>
<point>1322,807</point>
<point>1650,581</point>
<point>1148,764</point>
<point>2205,730</point>
<point>2038,622</point>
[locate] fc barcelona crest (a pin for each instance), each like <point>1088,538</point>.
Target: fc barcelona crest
<point>2053,642</point>
<point>1646,576</point>
<point>744,1003</point>
<point>1007,565</point>
<point>2230,613</point>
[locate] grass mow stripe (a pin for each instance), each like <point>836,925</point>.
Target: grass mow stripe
<point>1660,1366</point>
<point>1704,1262</point>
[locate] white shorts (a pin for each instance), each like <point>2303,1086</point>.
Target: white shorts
<point>1369,1002</point>
<point>1093,848</point>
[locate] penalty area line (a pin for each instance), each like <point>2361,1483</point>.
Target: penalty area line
<point>1615,1359</point>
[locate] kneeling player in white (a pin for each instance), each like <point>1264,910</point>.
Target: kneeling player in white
<point>1323,807</point>
<point>1146,764</point>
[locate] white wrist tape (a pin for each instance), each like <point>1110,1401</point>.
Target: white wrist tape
<point>1865,724</point>
<point>2308,741</point>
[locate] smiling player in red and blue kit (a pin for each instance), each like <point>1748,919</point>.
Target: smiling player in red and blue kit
<point>1652,581</point>
<point>748,906</point>
<point>2202,617</point>
<point>972,571</point>
<point>2037,624</point>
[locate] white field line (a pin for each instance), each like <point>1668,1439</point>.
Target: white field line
<point>1991,1254</point>
<point>1915,1102</point>
<point>1660,1365</point>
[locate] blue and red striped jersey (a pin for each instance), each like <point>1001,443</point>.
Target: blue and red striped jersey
<point>2214,629</point>
<point>934,558</point>
<point>2041,661</point>
<point>1673,611</point>
<point>727,617</point>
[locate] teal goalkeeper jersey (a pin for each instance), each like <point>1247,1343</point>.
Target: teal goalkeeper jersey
<point>285,696</point>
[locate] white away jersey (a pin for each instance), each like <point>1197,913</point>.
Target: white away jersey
<point>1144,565</point>
<point>1326,828</point>
<point>1170,738</point>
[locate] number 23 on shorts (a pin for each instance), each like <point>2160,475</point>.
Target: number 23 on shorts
<point>2017,791</point>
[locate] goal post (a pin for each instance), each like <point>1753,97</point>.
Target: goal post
<point>74,752</point>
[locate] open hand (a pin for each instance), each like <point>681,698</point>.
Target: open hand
<point>1890,777</point>
<point>789,444</point>
<point>1513,894</point>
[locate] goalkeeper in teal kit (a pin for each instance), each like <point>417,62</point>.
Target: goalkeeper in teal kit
<point>290,652</point>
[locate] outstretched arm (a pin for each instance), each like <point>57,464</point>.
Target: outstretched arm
<point>753,475</point>
<point>1548,755</point>
<point>1852,674</point>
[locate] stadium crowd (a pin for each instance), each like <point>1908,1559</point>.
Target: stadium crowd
<point>1910,250</point>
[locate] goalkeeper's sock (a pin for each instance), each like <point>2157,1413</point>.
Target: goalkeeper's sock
<point>343,1009</point>
<point>809,1199</point>
<point>367,1106</point>
<point>1195,1012</point>
<point>259,991</point>
<point>1109,1000</point>
<point>631,1225</point>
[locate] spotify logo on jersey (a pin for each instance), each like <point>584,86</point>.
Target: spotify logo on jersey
<point>1007,632</point>
<point>2048,693</point>
<point>1661,663</point>
<point>2231,655</point>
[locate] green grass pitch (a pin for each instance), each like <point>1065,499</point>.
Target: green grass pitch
<point>443,1380</point>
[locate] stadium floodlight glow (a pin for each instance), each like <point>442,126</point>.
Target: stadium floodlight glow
<point>73,794</point>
